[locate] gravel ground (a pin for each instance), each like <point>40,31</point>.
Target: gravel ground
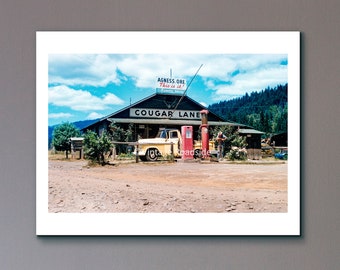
<point>161,187</point>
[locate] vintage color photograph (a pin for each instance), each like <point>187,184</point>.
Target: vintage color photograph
<point>160,133</point>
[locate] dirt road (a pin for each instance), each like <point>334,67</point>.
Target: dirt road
<point>160,187</point>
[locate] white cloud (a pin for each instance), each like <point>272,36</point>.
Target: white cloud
<point>146,68</point>
<point>94,115</point>
<point>59,115</point>
<point>81,100</point>
<point>253,81</point>
<point>227,75</point>
<point>223,69</point>
<point>94,70</point>
<point>99,70</point>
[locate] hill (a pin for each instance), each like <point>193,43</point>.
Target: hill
<point>266,110</point>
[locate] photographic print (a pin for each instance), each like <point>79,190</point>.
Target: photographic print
<point>168,133</point>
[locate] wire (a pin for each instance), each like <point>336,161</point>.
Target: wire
<point>185,90</point>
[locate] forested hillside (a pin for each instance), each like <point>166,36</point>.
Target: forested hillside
<point>266,110</point>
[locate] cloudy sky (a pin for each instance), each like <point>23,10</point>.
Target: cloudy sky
<point>90,86</point>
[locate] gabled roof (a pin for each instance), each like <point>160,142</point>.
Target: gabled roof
<point>164,101</point>
<point>161,101</point>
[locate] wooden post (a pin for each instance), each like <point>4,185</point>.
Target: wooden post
<point>137,148</point>
<point>172,152</point>
<point>114,153</point>
<point>72,150</point>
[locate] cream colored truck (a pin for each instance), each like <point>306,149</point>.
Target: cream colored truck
<point>167,138</point>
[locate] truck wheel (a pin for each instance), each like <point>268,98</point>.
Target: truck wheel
<point>152,154</point>
<point>142,158</point>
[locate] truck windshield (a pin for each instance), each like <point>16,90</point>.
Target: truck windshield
<point>161,134</point>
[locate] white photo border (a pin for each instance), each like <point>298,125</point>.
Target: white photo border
<point>210,224</point>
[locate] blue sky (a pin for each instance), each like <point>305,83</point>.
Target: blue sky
<point>90,86</point>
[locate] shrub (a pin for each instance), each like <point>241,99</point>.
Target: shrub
<point>238,150</point>
<point>96,147</point>
<point>237,153</point>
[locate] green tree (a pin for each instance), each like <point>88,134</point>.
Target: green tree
<point>253,120</point>
<point>129,133</point>
<point>96,147</point>
<point>264,122</point>
<point>118,135</point>
<point>62,135</point>
<point>283,121</point>
<point>265,110</point>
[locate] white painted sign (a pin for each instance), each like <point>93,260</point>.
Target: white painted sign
<point>164,113</point>
<point>171,83</point>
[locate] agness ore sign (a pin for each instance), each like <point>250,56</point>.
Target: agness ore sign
<point>171,83</point>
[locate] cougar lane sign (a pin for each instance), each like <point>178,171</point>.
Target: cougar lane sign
<point>164,113</point>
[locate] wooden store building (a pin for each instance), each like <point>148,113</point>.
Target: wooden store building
<point>160,110</point>
<point>166,108</point>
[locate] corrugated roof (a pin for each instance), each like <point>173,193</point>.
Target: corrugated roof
<point>249,131</point>
<point>167,121</point>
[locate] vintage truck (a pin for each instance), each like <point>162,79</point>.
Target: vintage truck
<point>168,142</point>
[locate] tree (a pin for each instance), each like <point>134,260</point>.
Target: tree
<point>264,122</point>
<point>62,135</point>
<point>265,110</point>
<point>119,134</point>
<point>95,147</point>
<point>129,133</point>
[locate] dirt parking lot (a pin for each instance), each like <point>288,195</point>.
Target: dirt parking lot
<point>161,187</point>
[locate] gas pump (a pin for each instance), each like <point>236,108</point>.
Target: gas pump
<point>205,133</point>
<point>187,142</point>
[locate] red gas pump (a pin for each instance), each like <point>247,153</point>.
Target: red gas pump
<point>205,133</point>
<point>187,142</point>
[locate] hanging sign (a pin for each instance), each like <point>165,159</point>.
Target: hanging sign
<point>171,83</point>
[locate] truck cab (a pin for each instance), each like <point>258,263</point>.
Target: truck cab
<point>167,142</point>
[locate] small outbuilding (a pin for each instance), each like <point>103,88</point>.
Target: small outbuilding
<point>253,139</point>
<point>279,140</point>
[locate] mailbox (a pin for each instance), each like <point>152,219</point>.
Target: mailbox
<point>187,142</point>
<point>77,145</point>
